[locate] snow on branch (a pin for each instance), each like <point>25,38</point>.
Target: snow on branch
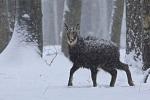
<point>50,53</point>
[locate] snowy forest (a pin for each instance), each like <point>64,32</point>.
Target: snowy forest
<point>74,49</point>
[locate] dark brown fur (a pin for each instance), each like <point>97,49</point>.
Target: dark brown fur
<point>93,53</point>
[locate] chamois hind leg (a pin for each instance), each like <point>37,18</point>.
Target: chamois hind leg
<point>72,70</point>
<point>125,67</point>
<point>113,73</point>
<point>94,76</point>
<point>146,77</point>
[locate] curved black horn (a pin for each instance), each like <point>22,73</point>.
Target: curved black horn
<point>66,27</point>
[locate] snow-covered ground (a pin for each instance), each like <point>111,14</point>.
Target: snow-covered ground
<point>25,76</point>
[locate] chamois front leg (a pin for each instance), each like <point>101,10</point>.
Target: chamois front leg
<point>72,70</point>
<point>146,76</point>
<point>94,76</point>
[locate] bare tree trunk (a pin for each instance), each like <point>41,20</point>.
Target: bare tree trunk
<point>37,19</point>
<point>110,6</point>
<point>11,11</point>
<point>60,9</point>
<point>4,26</point>
<point>134,32</point>
<point>72,17</point>
<point>104,18</point>
<point>86,17</point>
<point>48,26</point>
<point>146,35</point>
<point>53,11</point>
<point>117,21</point>
<point>56,21</point>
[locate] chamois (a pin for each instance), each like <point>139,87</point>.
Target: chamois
<point>94,53</point>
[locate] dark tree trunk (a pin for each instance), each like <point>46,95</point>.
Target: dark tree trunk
<point>134,30</point>
<point>146,35</point>
<point>29,20</point>
<point>4,26</point>
<point>11,11</point>
<point>37,19</point>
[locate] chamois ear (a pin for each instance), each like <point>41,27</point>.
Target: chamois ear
<point>66,27</point>
<point>78,27</point>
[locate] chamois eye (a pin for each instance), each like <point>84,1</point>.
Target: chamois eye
<point>74,33</point>
<point>67,35</point>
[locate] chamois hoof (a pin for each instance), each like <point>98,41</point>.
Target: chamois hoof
<point>69,84</point>
<point>95,85</point>
<point>131,84</point>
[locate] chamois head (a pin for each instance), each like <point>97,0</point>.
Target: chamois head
<point>72,34</point>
